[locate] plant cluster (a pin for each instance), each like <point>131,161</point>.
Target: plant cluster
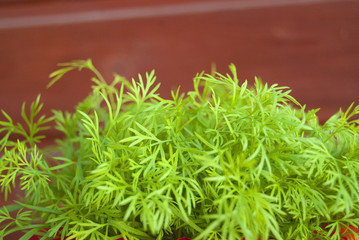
<point>224,161</point>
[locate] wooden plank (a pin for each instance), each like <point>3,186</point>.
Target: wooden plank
<point>312,48</point>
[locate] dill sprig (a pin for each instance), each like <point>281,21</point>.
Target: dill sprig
<point>224,161</point>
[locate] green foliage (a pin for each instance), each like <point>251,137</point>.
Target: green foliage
<point>224,161</point>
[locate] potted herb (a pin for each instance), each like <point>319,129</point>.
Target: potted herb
<point>224,161</point>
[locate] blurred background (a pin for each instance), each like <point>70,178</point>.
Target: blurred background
<point>311,46</point>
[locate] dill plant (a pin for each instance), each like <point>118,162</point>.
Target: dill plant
<point>224,161</point>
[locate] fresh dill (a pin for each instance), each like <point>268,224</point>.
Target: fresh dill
<point>224,161</point>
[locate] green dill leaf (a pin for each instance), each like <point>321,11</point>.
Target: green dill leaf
<point>223,161</point>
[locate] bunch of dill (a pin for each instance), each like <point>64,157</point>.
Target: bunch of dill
<point>224,161</point>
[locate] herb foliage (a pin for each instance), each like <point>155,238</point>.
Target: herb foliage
<point>224,161</point>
